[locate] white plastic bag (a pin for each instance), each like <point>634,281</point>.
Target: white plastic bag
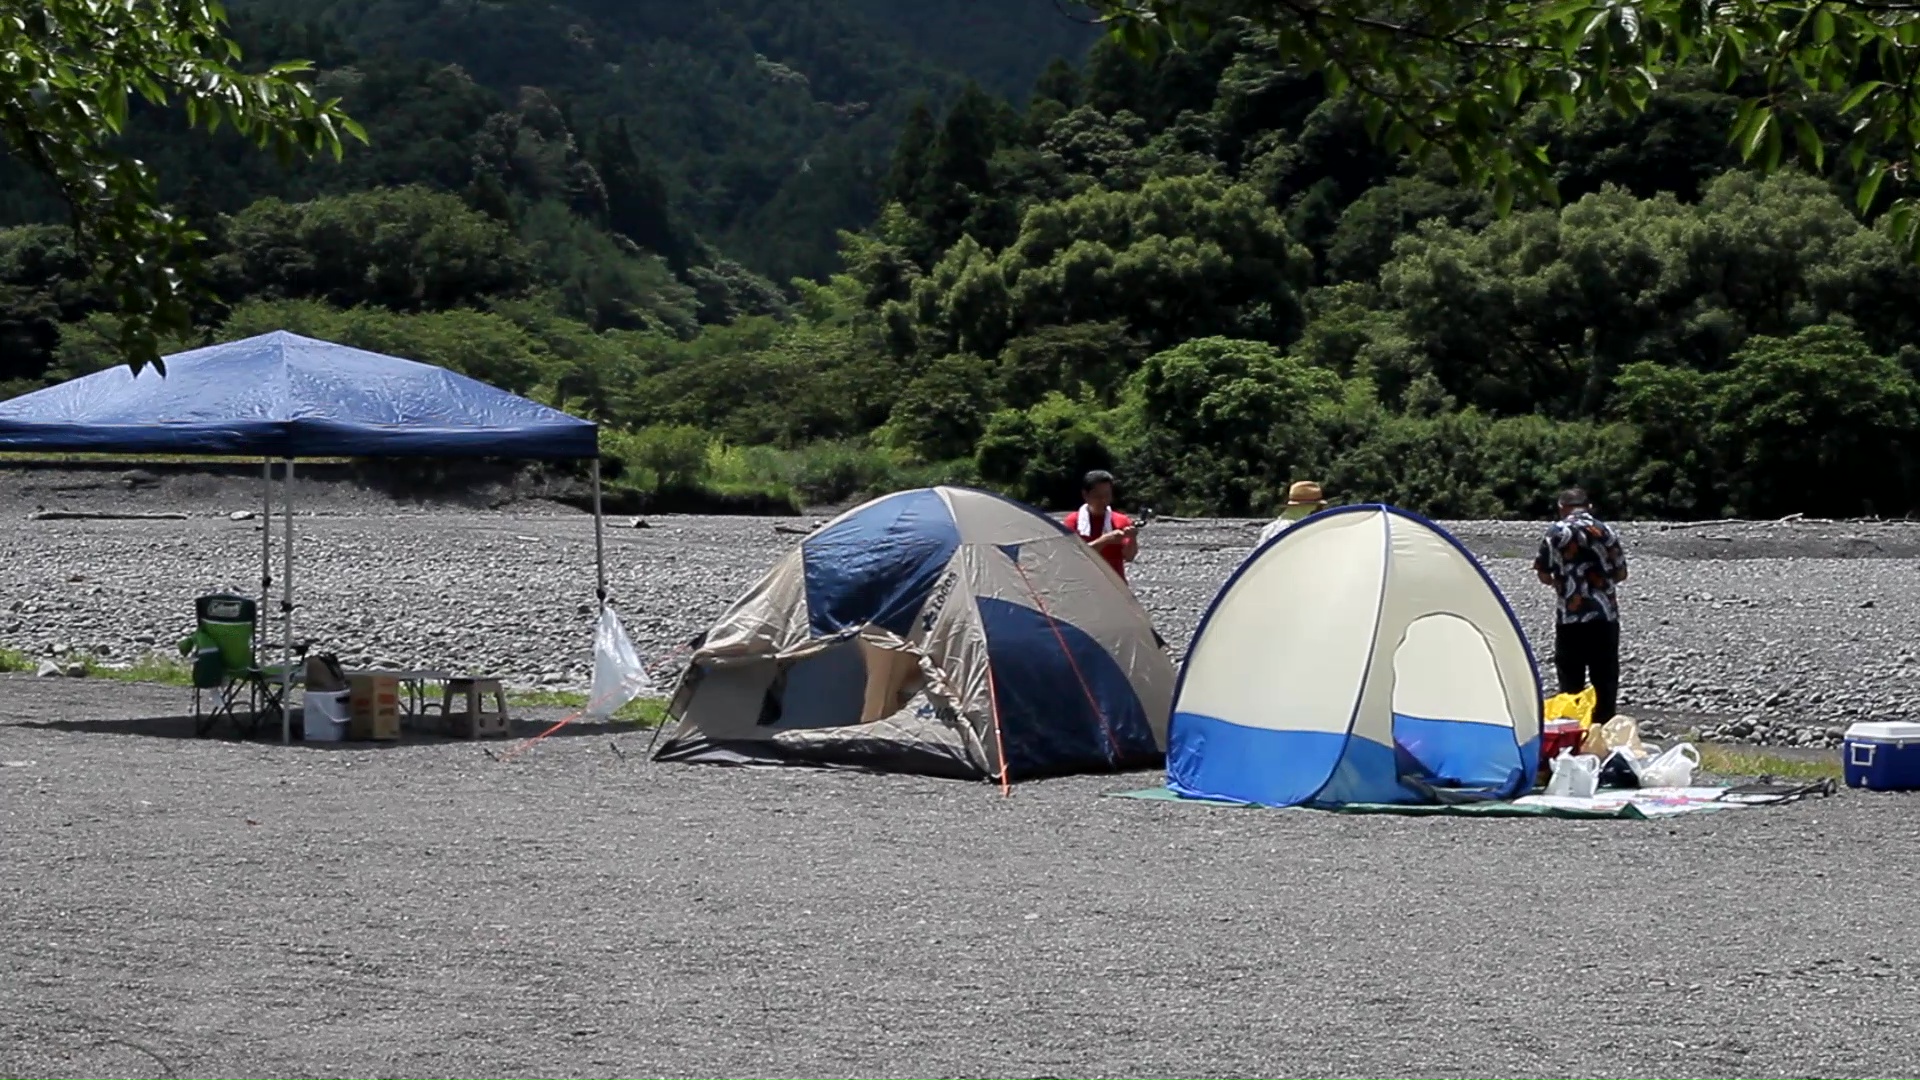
<point>1574,776</point>
<point>618,674</point>
<point>1674,768</point>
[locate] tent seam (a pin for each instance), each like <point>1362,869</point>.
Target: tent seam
<point>1539,689</point>
<point>1113,745</point>
<point>999,743</point>
<point>1373,649</point>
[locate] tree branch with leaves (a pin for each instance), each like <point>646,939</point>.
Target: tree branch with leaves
<point>72,71</point>
<point>1461,77</point>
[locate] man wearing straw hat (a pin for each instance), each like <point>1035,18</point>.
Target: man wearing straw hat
<point>1304,499</point>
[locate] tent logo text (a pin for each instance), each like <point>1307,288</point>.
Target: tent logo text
<point>931,612</point>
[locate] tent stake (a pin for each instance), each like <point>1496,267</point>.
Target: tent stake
<point>286,620</point>
<point>599,537</point>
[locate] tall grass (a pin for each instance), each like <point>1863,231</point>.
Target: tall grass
<point>644,712</point>
<point>151,668</point>
<point>166,670</point>
<point>677,458</point>
<point>1722,760</point>
<point>154,667</point>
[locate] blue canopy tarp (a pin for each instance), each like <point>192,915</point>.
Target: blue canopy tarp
<point>281,395</point>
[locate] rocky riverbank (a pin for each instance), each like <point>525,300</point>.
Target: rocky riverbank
<point>1780,633</point>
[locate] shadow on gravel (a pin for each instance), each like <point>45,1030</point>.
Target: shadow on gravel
<point>181,727</point>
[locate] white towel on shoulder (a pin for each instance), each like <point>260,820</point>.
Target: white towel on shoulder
<point>1085,521</point>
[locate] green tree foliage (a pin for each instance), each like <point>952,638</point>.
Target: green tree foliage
<point>1465,81</point>
<point>769,122</point>
<point>1541,310</point>
<point>45,281</point>
<point>405,249</point>
<point>673,456</point>
<point>1040,453</point>
<point>638,205</point>
<point>1208,417</point>
<point>1461,463</point>
<point>1200,269</point>
<point>70,72</point>
<point>1178,258</point>
<point>605,283</point>
<point>942,413</point>
<point>1814,423</point>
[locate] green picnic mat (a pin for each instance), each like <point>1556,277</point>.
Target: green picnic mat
<point>1477,809</point>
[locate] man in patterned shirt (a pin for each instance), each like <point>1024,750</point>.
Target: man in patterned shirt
<point>1582,559</point>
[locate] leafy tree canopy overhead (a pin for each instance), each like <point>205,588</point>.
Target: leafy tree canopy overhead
<point>1464,77</point>
<point>70,71</point>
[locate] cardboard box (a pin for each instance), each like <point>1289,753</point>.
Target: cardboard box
<point>373,707</point>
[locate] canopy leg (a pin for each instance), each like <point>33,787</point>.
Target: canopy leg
<point>286,619</point>
<point>599,536</point>
<point>266,538</point>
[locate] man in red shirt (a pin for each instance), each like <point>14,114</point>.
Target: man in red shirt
<point>1108,531</point>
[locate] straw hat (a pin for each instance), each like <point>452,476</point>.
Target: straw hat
<point>1305,493</point>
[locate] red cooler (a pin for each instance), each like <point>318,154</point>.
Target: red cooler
<point>1558,735</point>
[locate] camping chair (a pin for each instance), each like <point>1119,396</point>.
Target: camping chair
<point>225,667</point>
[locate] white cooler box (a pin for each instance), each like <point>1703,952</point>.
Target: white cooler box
<point>1882,755</point>
<point>326,715</point>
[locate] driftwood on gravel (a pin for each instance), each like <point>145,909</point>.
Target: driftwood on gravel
<point>104,515</point>
<point>1716,523</point>
<point>1790,519</point>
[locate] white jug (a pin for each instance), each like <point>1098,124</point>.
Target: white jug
<point>1574,775</point>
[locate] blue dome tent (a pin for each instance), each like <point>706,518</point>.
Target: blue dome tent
<point>942,631</point>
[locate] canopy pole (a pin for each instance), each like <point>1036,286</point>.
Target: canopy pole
<point>266,538</point>
<point>286,618</point>
<point>599,536</point>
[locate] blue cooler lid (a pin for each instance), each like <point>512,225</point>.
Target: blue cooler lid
<point>1885,731</point>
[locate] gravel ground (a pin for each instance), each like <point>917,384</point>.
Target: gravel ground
<point>1778,633</point>
<point>182,907</point>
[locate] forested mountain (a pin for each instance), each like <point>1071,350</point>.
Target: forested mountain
<point>768,122</point>
<point>817,249</point>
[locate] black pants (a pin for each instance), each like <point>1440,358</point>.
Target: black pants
<point>1589,653</point>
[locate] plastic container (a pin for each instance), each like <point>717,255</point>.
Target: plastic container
<point>1575,776</point>
<point>1555,736</point>
<point>327,714</point>
<point>1882,755</point>
<point>1673,769</point>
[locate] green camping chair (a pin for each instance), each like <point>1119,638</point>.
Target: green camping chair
<point>226,669</point>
